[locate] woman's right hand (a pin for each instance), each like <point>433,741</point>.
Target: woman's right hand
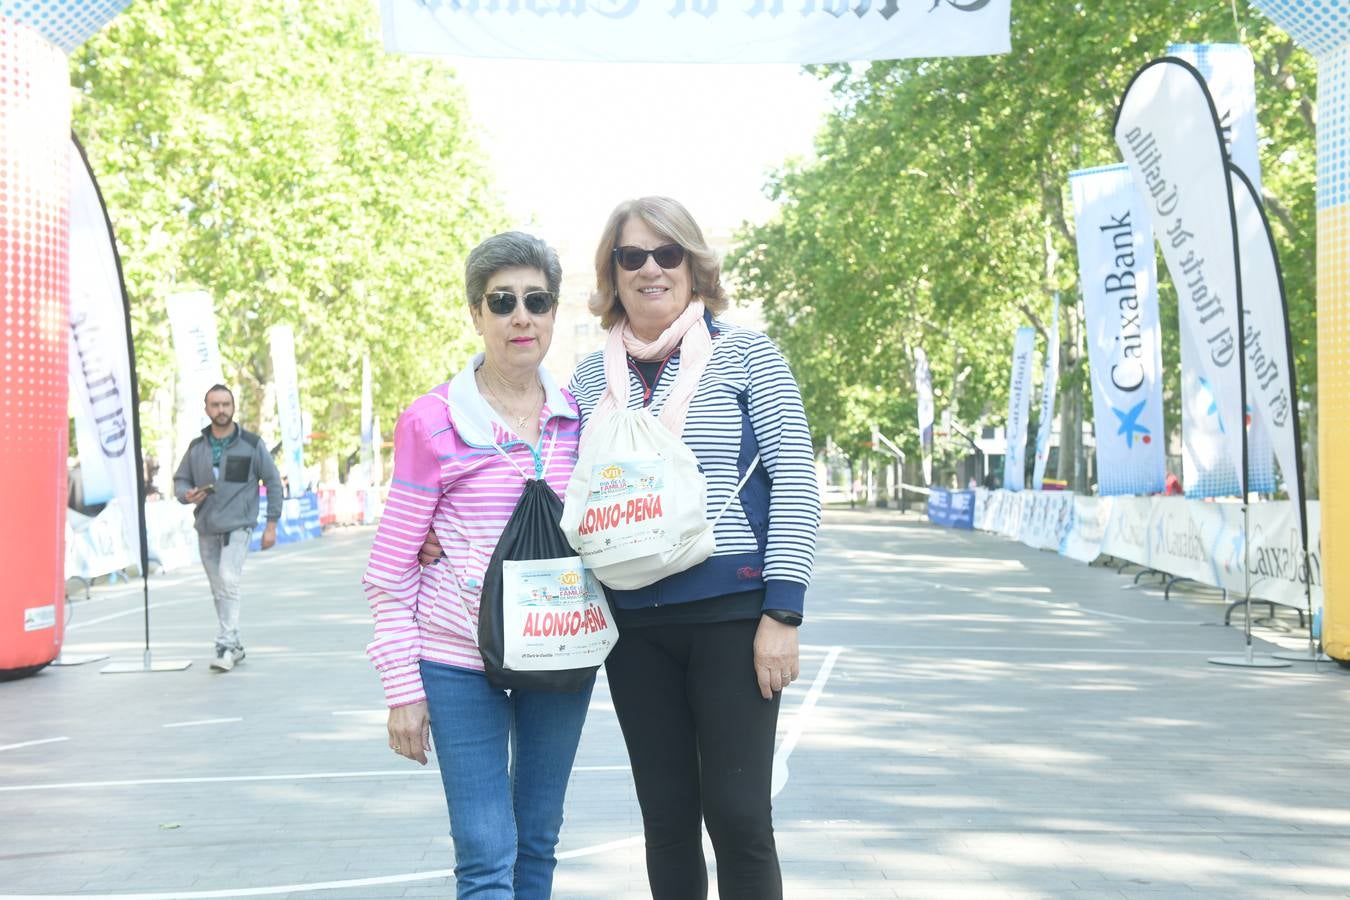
<point>410,731</point>
<point>431,549</point>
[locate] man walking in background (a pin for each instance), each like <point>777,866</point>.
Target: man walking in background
<point>219,474</point>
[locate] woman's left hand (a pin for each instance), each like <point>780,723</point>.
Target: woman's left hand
<point>776,659</point>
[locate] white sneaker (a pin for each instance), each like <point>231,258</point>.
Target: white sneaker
<point>225,658</point>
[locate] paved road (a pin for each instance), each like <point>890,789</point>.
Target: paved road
<point>976,719</point>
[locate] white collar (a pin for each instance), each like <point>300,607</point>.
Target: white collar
<point>474,417</point>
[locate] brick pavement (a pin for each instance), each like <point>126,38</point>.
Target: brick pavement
<point>997,722</point>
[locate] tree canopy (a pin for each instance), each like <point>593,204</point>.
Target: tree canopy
<point>936,213</point>
<point>272,154</point>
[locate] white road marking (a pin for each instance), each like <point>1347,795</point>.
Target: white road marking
<point>273,890</point>
<point>314,885</point>
<point>1076,650</point>
<point>608,846</point>
<point>597,848</point>
<point>780,756</point>
<point>134,611</point>
<point>54,740</point>
<point>200,722</point>
<point>218,779</point>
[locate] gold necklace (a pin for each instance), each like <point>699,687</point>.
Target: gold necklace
<point>504,409</point>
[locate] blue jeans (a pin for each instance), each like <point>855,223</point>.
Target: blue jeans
<point>505,759</point>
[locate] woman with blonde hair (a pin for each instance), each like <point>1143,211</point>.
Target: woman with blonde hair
<point>704,654</point>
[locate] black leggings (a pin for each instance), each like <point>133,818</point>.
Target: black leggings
<point>700,738</point>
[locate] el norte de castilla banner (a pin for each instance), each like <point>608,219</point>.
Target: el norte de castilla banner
<point>702,31</point>
<point>1168,131</point>
<point>1230,74</point>
<point>1119,281</point>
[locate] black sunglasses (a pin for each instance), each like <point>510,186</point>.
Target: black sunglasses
<point>630,259</point>
<point>503,303</point>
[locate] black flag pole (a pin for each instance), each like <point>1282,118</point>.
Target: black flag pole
<point>147,663</point>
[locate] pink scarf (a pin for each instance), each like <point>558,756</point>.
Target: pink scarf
<point>689,333</point>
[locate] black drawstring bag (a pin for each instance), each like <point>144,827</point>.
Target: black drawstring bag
<point>531,533</point>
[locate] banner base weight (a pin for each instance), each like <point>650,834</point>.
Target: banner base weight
<point>77,659</point>
<point>146,665</point>
<point>1303,656</point>
<point>1249,661</point>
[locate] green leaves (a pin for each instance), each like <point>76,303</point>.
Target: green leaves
<point>936,212</point>
<point>274,155</point>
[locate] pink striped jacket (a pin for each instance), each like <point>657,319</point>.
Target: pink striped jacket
<point>448,474</point>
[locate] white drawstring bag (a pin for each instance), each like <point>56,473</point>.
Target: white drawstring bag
<point>636,505</point>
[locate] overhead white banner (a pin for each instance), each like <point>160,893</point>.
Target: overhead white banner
<point>101,391</point>
<point>192,321</point>
<point>923,381</point>
<point>1019,407</point>
<point>1049,383</point>
<point>292,421</point>
<point>1169,134</point>
<point>688,31</point>
<point>1119,279</point>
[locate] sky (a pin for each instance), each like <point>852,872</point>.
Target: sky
<point>568,141</point>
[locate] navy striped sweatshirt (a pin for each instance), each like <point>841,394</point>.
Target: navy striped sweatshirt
<point>747,402</point>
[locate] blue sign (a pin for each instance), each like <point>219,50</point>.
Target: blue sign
<point>299,521</point>
<point>951,509</point>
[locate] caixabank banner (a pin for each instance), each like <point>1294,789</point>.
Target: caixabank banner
<point>1120,300</point>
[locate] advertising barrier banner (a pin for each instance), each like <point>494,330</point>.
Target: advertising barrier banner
<point>300,521</point>
<point>696,31</point>
<point>1199,540</point>
<point>951,509</point>
<point>1047,519</point>
<point>1119,276</point>
<point>170,536</point>
<point>1087,532</point>
<point>96,545</point>
<point>1127,531</point>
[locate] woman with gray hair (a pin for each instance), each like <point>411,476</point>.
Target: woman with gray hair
<point>462,453</point>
